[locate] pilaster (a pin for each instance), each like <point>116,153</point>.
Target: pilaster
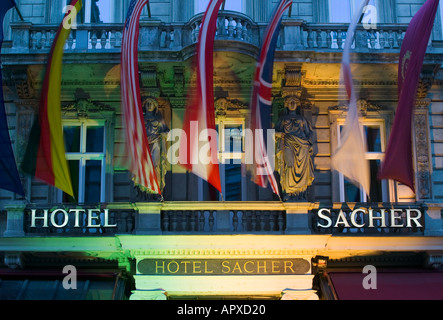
<point>15,219</point>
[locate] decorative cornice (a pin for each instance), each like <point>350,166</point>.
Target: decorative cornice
<point>223,253</point>
<point>363,105</point>
<point>225,105</point>
<point>83,107</point>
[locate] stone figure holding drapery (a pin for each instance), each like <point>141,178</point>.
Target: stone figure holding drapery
<point>156,130</point>
<point>294,152</point>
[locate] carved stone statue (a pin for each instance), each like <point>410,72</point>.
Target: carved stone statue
<point>294,152</point>
<point>156,130</point>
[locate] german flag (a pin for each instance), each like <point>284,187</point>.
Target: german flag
<point>47,162</point>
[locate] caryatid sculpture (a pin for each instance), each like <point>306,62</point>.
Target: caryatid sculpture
<point>294,151</point>
<point>157,131</point>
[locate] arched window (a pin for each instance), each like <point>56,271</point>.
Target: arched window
<point>233,5</point>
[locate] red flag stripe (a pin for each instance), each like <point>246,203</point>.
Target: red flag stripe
<point>137,142</point>
<point>200,108</point>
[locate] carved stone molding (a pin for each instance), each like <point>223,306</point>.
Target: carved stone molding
<point>293,76</point>
<point>83,106</point>
<point>26,115</point>
<point>364,106</point>
<point>226,105</point>
<point>179,81</point>
<point>423,162</point>
<point>148,76</point>
<point>220,253</point>
<point>23,84</point>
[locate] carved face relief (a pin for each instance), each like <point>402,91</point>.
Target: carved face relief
<point>150,105</point>
<point>291,103</point>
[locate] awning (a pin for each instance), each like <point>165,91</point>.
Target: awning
<point>49,286</point>
<point>390,286</point>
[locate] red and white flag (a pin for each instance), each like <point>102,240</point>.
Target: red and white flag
<point>349,158</point>
<point>137,146</point>
<point>199,141</point>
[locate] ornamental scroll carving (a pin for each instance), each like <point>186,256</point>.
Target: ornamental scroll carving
<point>423,182</point>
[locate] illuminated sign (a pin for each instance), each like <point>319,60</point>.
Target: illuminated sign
<point>75,218</point>
<point>223,266</point>
<point>368,218</point>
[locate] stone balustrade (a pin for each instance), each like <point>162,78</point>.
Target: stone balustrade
<point>155,35</point>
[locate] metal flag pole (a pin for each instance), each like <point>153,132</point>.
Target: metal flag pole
<point>19,13</point>
<point>223,5</point>
<point>149,10</point>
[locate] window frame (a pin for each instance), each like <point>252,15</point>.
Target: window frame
<point>197,9</point>
<point>384,117</point>
<point>87,9</point>
<point>223,155</point>
<point>352,7</point>
<point>82,156</point>
<point>380,123</point>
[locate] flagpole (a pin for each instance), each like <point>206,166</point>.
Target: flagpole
<point>149,10</point>
<point>19,13</point>
<point>223,5</point>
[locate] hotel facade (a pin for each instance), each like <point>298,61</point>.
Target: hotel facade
<point>118,242</point>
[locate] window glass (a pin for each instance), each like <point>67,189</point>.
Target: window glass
<point>85,152</point>
<point>343,10</point>
<point>101,11</point>
<point>94,11</point>
<point>233,181</point>
<point>375,194</point>
<point>373,138</point>
<point>93,180</point>
<point>236,5</point>
<point>74,170</point>
<point>352,193</point>
<point>94,139</point>
<point>233,138</point>
<point>72,138</point>
<point>230,131</point>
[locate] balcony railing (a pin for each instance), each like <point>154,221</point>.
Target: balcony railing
<point>333,36</point>
<point>295,35</point>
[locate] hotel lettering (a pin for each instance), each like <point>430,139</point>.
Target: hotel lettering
<point>77,218</point>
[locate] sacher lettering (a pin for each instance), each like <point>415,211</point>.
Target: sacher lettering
<point>223,267</point>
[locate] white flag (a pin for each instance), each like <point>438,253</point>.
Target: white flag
<point>349,158</point>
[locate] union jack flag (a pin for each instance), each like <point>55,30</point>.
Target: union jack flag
<point>137,146</point>
<point>261,103</point>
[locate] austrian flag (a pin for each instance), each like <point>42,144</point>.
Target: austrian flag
<point>199,138</point>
